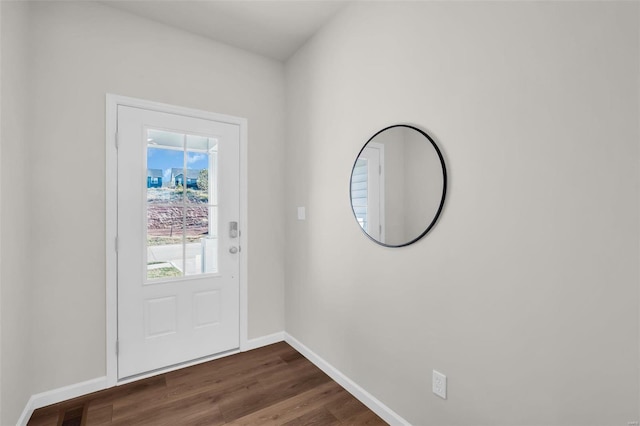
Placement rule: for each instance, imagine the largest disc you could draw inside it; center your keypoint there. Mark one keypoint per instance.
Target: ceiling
(275, 29)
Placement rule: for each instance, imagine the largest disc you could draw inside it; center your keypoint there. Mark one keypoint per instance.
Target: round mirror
(398, 185)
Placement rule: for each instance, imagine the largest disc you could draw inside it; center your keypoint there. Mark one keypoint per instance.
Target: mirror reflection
(398, 185)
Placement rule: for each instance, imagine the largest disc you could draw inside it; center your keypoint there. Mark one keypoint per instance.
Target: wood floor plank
(201, 409)
(225, 367)
(242, 401)
(348, 409)
(223, 389)
(365, 418)
(221, 376)
(298, 377)
(99, 416)
(273, 385)
(46, 419)
(294, 407)
(319, 417)
(133, 391)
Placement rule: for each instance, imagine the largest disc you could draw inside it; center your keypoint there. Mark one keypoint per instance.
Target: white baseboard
(54, 396)
(259, 342)
(386, 413)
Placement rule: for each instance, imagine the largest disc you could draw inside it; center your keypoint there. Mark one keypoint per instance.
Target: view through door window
(181, 182)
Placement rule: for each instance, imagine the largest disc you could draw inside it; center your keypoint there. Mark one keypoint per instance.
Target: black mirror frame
(444, 186)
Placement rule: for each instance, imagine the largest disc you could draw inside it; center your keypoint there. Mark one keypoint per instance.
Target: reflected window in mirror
(366, 189)
(398, 185)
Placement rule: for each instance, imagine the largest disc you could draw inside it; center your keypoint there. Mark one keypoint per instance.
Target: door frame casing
(111, 216)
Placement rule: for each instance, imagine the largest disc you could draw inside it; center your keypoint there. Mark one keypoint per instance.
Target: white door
(178, 253)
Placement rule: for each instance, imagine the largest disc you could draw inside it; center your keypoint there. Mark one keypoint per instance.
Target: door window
(181, 207)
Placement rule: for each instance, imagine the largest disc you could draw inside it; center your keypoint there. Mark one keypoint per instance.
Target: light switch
(301, 213)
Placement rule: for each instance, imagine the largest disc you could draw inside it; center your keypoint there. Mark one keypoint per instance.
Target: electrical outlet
(440, 384)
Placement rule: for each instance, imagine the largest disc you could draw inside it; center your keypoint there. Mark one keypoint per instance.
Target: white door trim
(111, 231)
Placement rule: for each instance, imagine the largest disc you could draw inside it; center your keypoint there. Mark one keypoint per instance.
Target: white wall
(78, 52)
(15, 173)
(525, 294)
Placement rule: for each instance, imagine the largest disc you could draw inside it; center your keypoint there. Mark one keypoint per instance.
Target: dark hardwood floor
(273, 385)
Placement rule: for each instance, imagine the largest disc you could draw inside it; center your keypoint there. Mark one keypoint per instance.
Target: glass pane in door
(201, 247)
(165, 236)
(181, 185)
(165, 167)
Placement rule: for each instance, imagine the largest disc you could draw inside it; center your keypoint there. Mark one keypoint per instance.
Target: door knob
(233, 249)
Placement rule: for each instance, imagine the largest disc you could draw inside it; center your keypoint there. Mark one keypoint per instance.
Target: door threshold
(174, 367)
